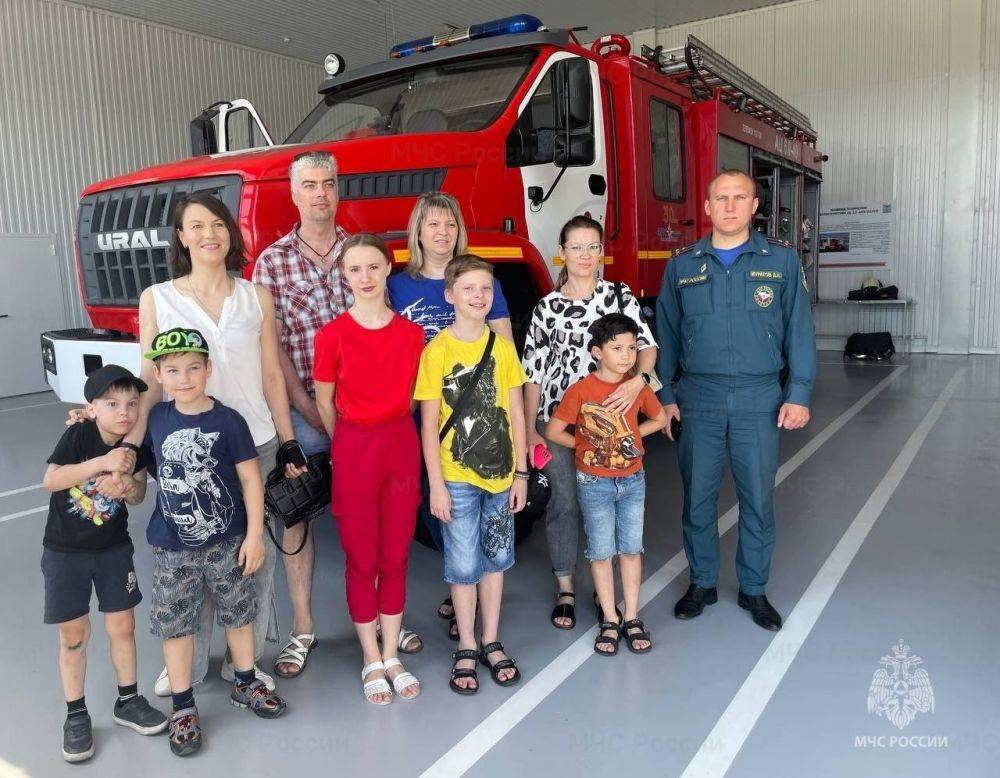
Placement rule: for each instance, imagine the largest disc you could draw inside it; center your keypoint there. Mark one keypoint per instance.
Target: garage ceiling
(363, 30)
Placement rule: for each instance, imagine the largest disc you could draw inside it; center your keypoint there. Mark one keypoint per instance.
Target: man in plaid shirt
(302, 273)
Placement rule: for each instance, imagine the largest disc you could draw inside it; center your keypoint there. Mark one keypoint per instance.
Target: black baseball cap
(99, 381)
(179, 340)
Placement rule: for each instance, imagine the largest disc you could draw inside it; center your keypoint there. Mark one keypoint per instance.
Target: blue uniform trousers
(750, 438)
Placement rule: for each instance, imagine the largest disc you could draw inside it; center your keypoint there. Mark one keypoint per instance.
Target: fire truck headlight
(333, 64)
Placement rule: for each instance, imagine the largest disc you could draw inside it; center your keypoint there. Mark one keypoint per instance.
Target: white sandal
(295, 652)
(402, 681)
(406, 638)
(376, 685)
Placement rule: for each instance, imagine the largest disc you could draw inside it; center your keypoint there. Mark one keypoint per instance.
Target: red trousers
(376, 491)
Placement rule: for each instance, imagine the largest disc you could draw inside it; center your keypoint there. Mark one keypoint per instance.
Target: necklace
(204, 307)
(319, 254)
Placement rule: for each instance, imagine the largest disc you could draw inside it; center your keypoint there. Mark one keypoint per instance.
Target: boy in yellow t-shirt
(478, 474)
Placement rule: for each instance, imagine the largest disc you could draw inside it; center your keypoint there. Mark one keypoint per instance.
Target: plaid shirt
(304, 299)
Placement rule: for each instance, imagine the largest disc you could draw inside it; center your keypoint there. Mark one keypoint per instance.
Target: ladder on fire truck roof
(707, 74)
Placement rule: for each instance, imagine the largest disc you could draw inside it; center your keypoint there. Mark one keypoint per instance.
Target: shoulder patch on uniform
(771, 275)
(778, 242)
(684, 249)
(698, 279)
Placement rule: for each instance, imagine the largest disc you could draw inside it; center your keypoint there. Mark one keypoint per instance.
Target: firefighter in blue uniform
(732, 307)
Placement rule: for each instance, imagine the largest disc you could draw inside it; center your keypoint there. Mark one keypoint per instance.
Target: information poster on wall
(855, 236)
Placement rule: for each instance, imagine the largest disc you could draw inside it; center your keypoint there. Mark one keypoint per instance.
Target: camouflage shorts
(182, 579)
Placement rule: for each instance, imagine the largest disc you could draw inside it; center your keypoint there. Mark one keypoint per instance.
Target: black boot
(763, 613)
(694, 601)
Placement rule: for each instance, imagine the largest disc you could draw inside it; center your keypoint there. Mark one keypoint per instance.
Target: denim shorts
(613, 511)
(480, 537)
(182, 579)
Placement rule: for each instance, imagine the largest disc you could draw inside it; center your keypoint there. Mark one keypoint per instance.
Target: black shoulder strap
(463, 398)
(620, 296)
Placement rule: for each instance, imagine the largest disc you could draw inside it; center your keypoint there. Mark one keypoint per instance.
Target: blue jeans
(480, 537)
(311, 439)
(613, 510)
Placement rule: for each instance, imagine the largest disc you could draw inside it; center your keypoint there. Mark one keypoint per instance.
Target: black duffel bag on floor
(870, 346)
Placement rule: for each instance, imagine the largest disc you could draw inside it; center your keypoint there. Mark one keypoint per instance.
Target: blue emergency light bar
(507, 26)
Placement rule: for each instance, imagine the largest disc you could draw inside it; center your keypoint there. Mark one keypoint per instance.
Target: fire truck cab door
(573, 175)
(666, 209)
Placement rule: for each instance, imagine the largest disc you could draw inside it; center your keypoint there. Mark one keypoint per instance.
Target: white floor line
(22, 490)
(716, 754)
(19, 514)
(471, 748)
(24, 407)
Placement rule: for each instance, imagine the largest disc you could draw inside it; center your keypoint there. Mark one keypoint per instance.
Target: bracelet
(130, 446)
(522, 474)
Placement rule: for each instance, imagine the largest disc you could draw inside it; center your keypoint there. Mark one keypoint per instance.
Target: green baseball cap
(178, 341)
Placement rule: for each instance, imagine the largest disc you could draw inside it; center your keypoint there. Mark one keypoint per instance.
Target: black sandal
(600, 610)
(463, 672)
(632, 637)
(453, 630)
(502, 664)
(564, 610)
(607, 640)
(446, 603)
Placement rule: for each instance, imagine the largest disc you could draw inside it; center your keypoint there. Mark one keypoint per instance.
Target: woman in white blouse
(555, 357)
(237, 319)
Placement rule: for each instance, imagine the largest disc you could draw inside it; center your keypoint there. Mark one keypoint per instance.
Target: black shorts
(71, 576)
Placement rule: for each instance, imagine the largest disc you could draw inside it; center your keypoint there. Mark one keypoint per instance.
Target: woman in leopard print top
(555, 357)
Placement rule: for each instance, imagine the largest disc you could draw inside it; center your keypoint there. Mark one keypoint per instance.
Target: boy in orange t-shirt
(610, 480)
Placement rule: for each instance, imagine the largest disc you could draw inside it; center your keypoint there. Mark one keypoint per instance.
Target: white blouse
(233, 345)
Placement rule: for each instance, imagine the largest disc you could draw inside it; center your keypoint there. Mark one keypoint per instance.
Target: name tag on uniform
(700, 279)
(769, 275)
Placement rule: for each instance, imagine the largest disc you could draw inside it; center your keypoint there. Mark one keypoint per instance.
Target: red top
(374, 370)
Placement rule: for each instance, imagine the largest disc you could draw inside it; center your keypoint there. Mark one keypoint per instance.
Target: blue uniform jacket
(734, 327)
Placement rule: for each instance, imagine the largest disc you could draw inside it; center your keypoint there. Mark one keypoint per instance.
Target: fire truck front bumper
(69, 356)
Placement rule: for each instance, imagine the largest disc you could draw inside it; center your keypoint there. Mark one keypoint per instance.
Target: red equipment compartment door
(664, 194)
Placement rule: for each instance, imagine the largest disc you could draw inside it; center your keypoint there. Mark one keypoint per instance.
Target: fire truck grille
(398, 183)
(123, 235)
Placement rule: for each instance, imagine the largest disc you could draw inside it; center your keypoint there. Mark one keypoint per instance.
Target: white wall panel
(873, 79)
(88, 94)
(986, 263)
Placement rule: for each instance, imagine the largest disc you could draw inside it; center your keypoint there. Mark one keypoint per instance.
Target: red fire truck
(524, 125)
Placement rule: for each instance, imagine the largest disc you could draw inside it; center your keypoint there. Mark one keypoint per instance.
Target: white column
(958, 235)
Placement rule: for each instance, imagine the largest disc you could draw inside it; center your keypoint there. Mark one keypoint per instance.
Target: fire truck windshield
(453, 96)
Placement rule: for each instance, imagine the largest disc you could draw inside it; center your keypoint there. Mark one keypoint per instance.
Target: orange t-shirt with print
(607, 443)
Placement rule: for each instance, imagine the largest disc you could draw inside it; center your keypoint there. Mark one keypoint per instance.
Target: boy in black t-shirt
(87, 547)
(206, 530)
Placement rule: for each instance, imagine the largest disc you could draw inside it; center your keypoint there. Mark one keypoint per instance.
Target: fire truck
(526, 126)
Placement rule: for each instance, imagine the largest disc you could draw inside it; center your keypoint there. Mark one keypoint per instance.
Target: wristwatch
(647, 378)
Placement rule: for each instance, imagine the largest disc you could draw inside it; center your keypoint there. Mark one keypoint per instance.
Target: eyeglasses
(579, 248)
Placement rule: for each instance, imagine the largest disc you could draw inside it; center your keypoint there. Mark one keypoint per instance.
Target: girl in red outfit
(365, 367)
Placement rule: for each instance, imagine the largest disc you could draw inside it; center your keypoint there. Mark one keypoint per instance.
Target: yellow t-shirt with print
(479, 448)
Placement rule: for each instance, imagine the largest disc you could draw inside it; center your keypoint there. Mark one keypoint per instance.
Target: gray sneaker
(257, 698)
(78, 739)
(136, 713)
(185, 731)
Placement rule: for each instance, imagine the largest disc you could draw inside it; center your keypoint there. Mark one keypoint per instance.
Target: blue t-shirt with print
(421, 300)
(200, 502)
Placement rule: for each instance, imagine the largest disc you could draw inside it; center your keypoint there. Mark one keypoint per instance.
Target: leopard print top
(555, 349)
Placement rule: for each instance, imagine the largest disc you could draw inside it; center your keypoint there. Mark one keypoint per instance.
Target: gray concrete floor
(926, 574)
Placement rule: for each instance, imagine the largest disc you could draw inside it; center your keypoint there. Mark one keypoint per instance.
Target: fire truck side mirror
(574, 142)
(204, 137)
